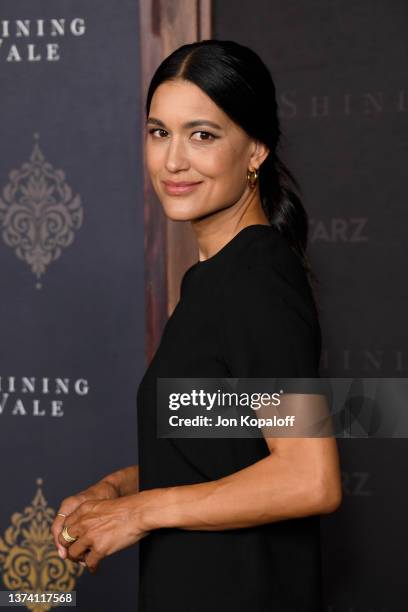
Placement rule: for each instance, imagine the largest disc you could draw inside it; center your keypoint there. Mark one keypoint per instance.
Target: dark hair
(238, 81)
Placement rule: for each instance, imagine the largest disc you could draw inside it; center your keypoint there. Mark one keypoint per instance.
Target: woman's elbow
(330, 497)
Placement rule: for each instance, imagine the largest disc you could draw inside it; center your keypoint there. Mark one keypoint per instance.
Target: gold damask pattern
(38, 212)
(28, 557)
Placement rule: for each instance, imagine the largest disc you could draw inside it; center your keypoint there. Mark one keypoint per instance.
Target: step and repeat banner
(71, 265)
(341, 75)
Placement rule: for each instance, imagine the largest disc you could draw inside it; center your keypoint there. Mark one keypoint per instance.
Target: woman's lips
(179, 188)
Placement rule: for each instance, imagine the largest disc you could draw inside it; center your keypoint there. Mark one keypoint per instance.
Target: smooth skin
(301, 476)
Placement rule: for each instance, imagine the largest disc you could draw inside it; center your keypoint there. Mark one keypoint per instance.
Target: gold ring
(67, 537)
(60, 514)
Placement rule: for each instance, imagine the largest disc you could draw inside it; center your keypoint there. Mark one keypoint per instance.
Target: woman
(223, 524)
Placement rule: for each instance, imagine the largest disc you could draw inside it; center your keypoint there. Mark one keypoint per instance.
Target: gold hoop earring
(252, 177)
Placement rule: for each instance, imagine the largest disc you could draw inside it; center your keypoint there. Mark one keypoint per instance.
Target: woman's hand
(99, 491)
(103, 528)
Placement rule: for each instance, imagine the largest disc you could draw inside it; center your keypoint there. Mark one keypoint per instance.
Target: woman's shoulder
(267, 247)
(267, 253)
(257, 261)
(268, 320)
(267, 268)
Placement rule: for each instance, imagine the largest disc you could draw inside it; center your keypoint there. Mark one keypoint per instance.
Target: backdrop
(340, 72)
(71, 258)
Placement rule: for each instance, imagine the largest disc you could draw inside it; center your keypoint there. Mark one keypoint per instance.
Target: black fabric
(248, 311)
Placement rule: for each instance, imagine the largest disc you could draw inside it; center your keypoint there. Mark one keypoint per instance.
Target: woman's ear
(259, 154)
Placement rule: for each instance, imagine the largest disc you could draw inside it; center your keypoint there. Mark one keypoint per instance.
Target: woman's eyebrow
(189, 124)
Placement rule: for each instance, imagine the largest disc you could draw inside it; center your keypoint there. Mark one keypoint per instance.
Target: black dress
(248, 311)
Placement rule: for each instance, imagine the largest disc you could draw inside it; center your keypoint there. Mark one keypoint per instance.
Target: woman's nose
(176, 156)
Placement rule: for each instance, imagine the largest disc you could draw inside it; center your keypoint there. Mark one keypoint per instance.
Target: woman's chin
(180, 213)
(180, 217)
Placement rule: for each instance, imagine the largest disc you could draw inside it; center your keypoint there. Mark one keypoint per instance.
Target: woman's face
(189, 139)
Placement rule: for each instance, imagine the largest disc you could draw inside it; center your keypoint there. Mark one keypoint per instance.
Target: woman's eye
(153, 130)
(207, 136)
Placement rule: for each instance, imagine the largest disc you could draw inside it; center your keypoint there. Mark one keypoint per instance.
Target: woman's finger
(78, 550)
(72, 531)
(56, 529)
(92, 560)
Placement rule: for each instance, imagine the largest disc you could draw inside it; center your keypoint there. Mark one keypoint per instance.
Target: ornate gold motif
(38, 213)
(28, 556)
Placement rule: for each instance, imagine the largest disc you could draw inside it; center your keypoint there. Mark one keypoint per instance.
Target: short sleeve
(269, 328)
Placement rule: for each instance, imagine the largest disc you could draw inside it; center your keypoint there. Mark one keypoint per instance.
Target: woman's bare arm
(300, 477)
(125, 480)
